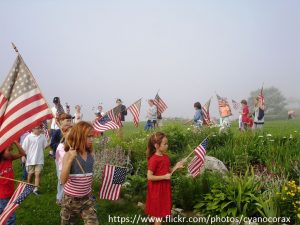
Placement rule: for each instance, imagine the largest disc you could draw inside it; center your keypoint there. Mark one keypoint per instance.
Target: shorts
(34, 168)
(71, 207)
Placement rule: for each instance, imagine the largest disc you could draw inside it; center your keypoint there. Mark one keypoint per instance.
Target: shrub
(233, 197)
(186, 191)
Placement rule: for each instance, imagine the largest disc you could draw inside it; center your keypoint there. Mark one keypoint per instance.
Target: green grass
(43, 209)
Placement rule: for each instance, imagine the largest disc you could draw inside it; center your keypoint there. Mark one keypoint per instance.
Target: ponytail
(155, 138)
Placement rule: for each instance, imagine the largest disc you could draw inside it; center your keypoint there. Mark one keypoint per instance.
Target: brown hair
(63, 116)
(244, 102)
(77, 137)
(197, 105)
(155, 138)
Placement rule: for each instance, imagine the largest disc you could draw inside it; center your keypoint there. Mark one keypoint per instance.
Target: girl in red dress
(159, 200)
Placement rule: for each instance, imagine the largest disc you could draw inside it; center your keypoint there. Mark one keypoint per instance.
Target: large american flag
(22, 191)
(205, 111)
(113, 178)
(104, 124)
(198, 160)
(135, 109)
(236, 105)
(115, 115)
(22, 105)
(160, 104)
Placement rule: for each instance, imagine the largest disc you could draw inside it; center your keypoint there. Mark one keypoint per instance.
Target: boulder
(214, 164)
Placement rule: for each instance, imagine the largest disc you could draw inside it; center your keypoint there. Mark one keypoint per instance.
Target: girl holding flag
(159, 201)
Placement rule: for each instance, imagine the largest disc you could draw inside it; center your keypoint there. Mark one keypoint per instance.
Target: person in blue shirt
(198, 117)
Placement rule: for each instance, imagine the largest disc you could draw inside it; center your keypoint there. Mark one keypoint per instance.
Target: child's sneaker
(36, 191)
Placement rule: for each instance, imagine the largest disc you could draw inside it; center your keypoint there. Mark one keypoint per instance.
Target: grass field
(43, 209)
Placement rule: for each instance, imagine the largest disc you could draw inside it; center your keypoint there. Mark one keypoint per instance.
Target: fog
(91, 52)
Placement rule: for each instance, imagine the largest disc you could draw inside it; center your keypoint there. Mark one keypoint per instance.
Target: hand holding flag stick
(200, 153)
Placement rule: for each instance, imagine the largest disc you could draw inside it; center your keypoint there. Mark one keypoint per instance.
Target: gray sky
(88, 52)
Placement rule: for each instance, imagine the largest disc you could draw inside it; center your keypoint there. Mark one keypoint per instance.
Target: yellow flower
(285, 188)
(298, 215)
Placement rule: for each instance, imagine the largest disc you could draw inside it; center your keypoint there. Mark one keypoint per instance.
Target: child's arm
(152, 177)
(179, 165)
(66, 165)
(20, 153)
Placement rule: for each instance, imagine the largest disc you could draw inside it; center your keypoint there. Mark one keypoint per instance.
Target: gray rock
(214, 164)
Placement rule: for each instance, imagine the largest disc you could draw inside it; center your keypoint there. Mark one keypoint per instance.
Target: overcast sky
(89, 52)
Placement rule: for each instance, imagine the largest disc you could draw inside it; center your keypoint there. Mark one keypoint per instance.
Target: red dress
(159, 200)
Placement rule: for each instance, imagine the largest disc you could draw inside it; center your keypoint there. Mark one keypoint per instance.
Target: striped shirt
(79, 184)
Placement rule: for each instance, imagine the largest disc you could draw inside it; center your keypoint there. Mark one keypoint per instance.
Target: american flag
(104, 124)
(198, 161)
(205, 111)
(22, 191)
(236, 105)
(160, 104)
(45, 129)
(135, 111)
(115, 115)
(22, 105)
(224, 108)
(113, 178)
(261, 96)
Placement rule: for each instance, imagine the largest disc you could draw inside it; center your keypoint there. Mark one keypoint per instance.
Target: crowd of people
(71, 141)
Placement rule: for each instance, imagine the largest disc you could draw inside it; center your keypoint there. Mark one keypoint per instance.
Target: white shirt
(53, 123)
(78, 117)
(152, 113)
(34, 146)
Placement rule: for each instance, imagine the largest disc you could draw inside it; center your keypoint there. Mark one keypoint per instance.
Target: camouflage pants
(71, 207)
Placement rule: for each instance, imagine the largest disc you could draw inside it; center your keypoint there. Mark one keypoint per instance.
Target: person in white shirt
(34, 145)
(151, 115)
(78, 114)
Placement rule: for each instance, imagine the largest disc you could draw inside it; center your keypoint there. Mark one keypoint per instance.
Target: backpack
(261, 114)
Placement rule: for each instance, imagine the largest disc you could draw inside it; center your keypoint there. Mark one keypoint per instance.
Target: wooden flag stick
(19, 181)
(15, 47)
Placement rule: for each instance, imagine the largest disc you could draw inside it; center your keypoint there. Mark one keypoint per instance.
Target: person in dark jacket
(123, 109)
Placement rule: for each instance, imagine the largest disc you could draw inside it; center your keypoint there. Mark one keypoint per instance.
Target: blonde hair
(76, 139)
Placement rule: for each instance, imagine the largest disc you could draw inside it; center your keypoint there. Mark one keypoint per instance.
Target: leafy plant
(233, 196)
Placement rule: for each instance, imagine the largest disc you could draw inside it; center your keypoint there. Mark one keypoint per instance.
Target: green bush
(233, 196)
(186, 191)
(136, 188)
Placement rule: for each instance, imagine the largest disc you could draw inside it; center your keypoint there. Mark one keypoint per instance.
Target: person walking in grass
(77, 176)
(34, 145)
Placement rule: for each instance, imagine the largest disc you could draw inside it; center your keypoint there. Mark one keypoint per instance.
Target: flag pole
(19, 181)
(15, 47)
